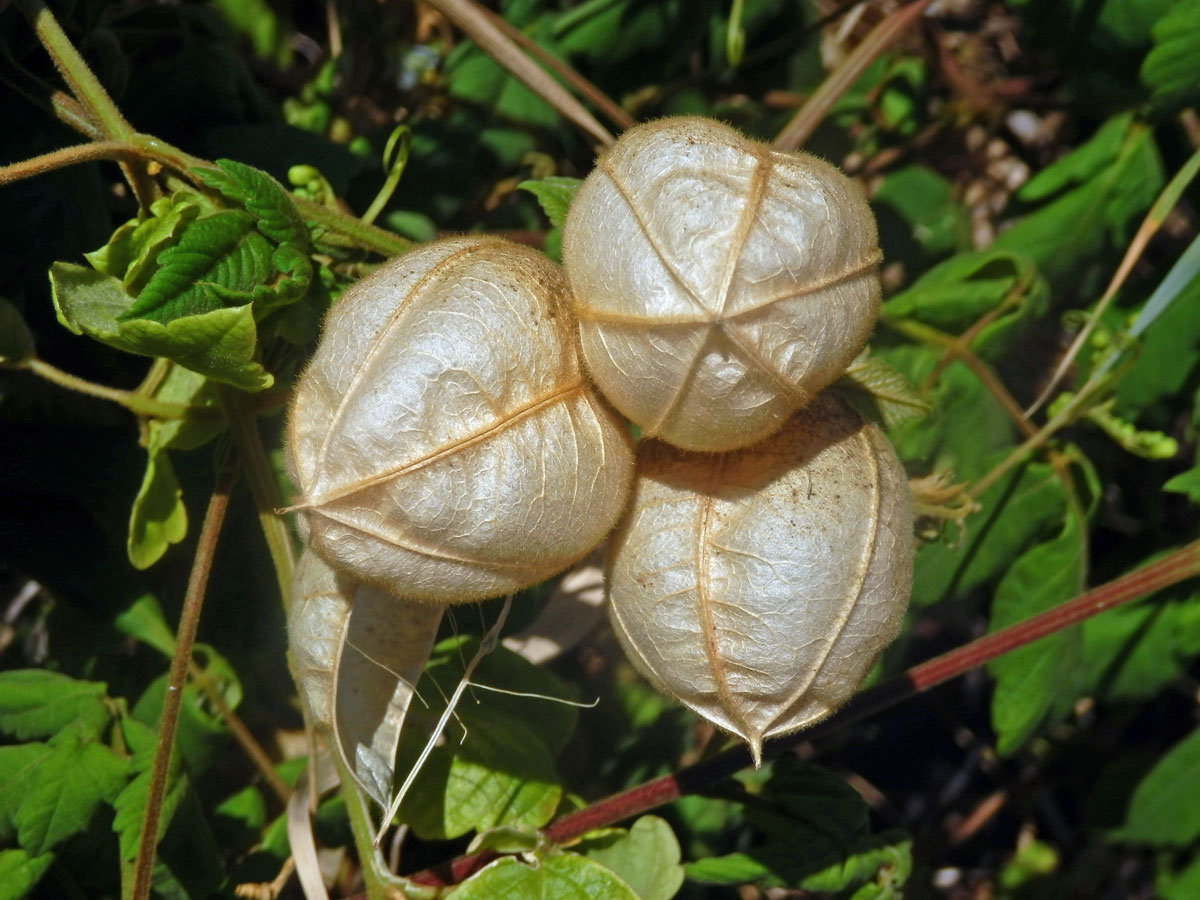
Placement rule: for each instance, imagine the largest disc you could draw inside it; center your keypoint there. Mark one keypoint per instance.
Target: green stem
(243, 424)
(75, 71)
(367, 236)
(189, 620)
(131, 400)
(1065, 416)
(360, 827)
(57, 103)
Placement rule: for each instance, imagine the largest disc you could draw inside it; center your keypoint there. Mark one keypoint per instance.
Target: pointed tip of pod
(755, 744)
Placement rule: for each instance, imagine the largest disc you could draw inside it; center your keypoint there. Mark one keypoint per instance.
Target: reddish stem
(1183, 563)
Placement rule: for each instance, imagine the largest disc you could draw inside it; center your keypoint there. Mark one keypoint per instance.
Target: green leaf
(931, 217)
(1132, 652)
(510, 672)
(609, 31)
(563, 876)
(130, 803)
(1036, 684)
(474, 77)
(646, 857)
(955, 295)
(1165, 807)
(1187, 483)
(554, 194)
(1015, 513)
(816, 838)
(892, 394)
(1169, 69)
(39, 703)
(262, 196)
(1117, 175)
(1169, 354)
(158, 518)
(503, 771)
(18, 763)
(501, 774)
(221, 251)
(189, 388)
(16, 340)
(203, 735)
(507, 839)
(144, 620)
(65, 790)
(1181, 885)
(131, 254)
(220, 345)
(1081, 164)
(20, 872)
(967, 425)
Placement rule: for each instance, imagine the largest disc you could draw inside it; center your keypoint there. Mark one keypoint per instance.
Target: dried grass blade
(809, 116)
(477, 25)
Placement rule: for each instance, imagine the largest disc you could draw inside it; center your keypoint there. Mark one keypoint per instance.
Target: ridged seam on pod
(719, 284)
(356, 655)
(444, 440)
(758, 586)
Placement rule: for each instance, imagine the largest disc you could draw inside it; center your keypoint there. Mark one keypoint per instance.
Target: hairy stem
(368, 236)
(58, 104)
(67, 156)
(193, 600)
(133, 401)
(75, 71)
(1182, 564)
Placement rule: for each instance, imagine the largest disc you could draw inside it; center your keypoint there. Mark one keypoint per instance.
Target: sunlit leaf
(220, 344)
(218, 251)
(67, 787)
(262, 196)
(158, 518)
(38, 703)
(20, 872)
(564, 876)
(646, 857)
(554, 194)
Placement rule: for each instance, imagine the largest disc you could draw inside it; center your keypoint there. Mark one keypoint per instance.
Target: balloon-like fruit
(445, 442)
(758, 586)
(719, 284)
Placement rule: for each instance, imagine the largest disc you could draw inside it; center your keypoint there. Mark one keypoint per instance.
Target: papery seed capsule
(719, 284)
(758, 586)
(357, 654)
(444, 440)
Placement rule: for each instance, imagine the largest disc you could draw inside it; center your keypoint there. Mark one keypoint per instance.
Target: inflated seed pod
(356, 655)
(444, 440)
(719, 284)
(758, 586)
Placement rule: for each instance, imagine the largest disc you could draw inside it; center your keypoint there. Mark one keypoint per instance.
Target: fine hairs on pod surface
(444, 441)
(758, 586)
(719, 284)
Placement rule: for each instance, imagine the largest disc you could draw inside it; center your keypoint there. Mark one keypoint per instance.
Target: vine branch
(1182, 564)
(206, 546)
